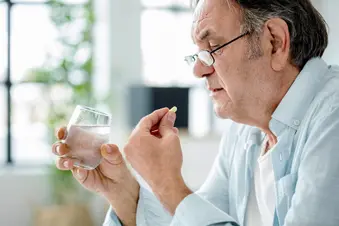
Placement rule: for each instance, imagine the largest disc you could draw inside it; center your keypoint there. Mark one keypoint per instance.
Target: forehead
(213, 16)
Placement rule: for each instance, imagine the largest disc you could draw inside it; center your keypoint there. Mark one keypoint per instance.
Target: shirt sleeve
(209, 205)
(194, 210)
(149, 212)
(111, 219)
(215, 188)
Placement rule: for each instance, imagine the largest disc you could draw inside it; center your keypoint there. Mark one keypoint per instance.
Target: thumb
(111, 153)
(167, 123)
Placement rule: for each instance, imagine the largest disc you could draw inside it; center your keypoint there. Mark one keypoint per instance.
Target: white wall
(329, 9)
(23, 191)
(19, 193)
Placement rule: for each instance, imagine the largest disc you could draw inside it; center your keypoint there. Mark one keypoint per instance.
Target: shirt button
(247, 145)
(296, 122)
(280, 157)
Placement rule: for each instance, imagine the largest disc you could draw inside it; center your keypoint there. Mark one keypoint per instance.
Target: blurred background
(120, 56)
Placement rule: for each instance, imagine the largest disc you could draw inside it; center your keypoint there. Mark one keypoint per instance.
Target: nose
(200, 70)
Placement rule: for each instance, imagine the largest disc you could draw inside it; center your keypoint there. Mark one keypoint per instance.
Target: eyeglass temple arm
(233, 40)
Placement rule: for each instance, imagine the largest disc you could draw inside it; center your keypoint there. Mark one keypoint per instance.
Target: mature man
(277, 163)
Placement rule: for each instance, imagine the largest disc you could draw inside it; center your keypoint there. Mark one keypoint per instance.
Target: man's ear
(279, 41)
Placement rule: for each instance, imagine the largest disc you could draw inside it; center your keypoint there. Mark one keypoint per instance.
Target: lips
(216, 90)
(213, 90)
(213, 87)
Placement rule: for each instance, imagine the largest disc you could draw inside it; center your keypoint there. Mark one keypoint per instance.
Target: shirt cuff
(151, 210)
(194, 210)
(111, 219)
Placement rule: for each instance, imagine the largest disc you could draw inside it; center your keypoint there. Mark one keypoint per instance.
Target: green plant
(69, 75)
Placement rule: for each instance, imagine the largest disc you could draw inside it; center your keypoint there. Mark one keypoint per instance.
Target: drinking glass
(87, 130)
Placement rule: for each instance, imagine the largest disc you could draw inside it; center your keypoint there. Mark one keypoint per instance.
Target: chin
(227, 111)
(221, 110)
(222, 105)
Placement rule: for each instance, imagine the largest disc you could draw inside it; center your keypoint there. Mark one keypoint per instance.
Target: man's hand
(111, 178)
(154, 151)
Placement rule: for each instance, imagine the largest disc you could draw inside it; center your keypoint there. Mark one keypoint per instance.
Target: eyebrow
(203, 35)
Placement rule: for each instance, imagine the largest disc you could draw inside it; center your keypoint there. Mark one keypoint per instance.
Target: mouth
(216, 90)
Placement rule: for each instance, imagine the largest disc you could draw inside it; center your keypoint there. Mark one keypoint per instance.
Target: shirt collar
(297, 100)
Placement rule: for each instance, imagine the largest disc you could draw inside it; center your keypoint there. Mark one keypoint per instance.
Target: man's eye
(213, 45)
(219, 51)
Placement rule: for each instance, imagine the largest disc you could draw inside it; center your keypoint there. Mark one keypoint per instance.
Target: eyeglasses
(206, 56)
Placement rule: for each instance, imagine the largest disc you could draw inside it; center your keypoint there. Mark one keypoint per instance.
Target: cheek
(230, 80)
(227, 67)
(223, 72)
(233, 69)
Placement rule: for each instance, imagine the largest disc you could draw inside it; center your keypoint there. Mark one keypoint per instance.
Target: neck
(272, 139)
(272, 99)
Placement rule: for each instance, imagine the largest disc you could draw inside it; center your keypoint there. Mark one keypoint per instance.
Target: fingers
(167, 123)
(113, 164)
(156, 133)
(61, 133)
(149, 121)
(69, 164)
(155, 127)
(111, 153)
(65, 163)
(60, 149)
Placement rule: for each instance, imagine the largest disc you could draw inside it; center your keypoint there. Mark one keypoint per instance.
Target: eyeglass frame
(195, 56)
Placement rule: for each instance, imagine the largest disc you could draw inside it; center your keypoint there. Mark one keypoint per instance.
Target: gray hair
(307, 28)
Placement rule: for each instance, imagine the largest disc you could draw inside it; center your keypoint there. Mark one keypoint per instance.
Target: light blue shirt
(305, 164)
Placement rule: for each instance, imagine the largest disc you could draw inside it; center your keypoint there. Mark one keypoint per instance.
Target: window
(33, 40)
(44, 1)
(3, 66)
(29, 132)
(3, 125)
(29, 1)
(29, 21)
(166, 3)
(165, 40)
(3, 41)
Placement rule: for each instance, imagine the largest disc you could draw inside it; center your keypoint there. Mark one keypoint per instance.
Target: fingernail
(65, 135)
(171, 116)
(66, 164)
(108, 149)
(173, 109)
(62, 134)
(57, 149)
